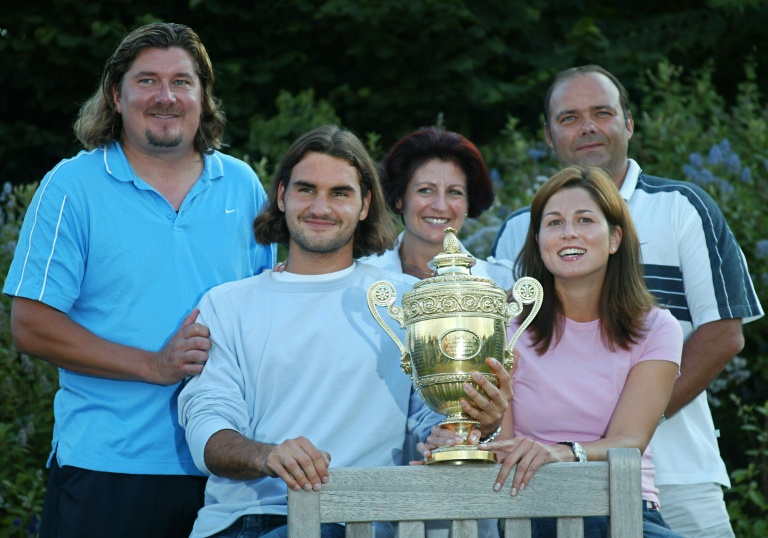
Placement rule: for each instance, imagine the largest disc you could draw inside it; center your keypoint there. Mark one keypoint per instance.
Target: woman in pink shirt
(597, 365)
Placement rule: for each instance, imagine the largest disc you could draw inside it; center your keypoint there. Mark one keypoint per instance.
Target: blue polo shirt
(104, 247)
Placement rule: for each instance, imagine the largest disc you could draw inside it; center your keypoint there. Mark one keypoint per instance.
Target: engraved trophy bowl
(454, 321)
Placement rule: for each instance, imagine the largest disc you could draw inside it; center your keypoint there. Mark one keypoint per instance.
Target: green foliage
(518, 162)
(747, 501)
(296, 115)
(50, 62)
(384, 67)
(26, 398)
(688, 129)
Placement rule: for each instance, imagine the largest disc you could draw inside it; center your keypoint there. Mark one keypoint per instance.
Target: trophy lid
(452, 260)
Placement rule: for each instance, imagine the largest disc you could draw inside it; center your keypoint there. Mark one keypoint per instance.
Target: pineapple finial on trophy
(452, 260)
(451, 243)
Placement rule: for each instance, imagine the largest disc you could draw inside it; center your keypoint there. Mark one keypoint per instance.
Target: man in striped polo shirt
(692, 263)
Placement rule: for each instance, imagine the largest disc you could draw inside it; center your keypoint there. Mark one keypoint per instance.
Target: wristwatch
(578, 451)
(491, 437)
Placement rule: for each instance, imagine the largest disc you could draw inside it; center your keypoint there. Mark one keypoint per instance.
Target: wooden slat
(411, 529)
(464, 528)
(303, 514)
(625, 489)
(517, 528)
(359, 530)
(570, 527)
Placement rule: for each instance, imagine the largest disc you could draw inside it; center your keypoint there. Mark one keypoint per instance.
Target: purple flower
(692, 173)
(698, 161)
(733, 163)
(706, 177)
(536, 154)
(34, 524)
(761, 247)
(715, 155)
(726, 189)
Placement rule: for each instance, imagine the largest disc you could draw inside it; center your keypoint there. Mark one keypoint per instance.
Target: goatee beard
(159, 142)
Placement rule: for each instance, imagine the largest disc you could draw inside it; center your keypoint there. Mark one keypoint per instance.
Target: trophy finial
(452, 259)
(451, 243)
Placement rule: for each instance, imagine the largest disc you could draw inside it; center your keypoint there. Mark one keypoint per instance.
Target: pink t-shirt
(571, 392)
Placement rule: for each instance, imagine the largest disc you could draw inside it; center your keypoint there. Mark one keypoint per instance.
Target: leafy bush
(747, 501)
(26, 398)
(688, 130)
(384, 66)
(271, 138)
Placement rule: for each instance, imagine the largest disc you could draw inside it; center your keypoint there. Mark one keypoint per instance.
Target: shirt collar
(285, 276)
(630, 180)
(117, 165)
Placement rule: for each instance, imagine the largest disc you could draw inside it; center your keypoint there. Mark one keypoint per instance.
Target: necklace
(416, 269)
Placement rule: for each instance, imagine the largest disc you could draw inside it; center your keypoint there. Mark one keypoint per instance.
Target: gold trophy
(454, 321)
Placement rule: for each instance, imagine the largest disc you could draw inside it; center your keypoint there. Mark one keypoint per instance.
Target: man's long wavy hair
(624, 298)
(375, 234)
(98, 122)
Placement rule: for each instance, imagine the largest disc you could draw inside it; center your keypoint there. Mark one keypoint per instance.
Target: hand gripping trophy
(454, 321)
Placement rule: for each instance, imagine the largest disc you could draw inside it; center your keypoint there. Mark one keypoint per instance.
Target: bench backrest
(464, 494)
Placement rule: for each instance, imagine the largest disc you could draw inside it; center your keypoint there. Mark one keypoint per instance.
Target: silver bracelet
(491, 437)
(578, 451)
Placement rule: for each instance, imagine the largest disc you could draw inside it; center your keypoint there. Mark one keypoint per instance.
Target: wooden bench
(464, 494)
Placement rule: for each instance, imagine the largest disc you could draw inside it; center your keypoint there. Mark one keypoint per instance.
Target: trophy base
(459, 455)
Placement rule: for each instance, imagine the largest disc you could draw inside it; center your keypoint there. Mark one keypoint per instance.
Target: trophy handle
(382, 293)
(526, 291)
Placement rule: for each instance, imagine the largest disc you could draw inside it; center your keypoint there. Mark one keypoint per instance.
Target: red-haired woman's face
(435, 198)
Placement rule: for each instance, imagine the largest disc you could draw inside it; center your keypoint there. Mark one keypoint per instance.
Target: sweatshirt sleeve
(420, 419)
(214, 400)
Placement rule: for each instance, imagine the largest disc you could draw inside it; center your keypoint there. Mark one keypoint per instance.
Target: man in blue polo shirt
(119, 244)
